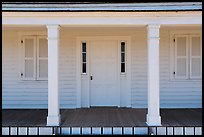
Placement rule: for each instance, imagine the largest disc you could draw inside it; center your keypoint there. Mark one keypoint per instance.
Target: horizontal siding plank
(33, 94)
(17, 93)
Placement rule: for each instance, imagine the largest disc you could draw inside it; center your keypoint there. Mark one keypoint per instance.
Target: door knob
(91, 77)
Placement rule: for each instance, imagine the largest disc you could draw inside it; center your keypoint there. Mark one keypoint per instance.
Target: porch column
(153, 116)
(53, 118)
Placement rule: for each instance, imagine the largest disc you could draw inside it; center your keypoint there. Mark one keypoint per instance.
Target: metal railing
(62, 130)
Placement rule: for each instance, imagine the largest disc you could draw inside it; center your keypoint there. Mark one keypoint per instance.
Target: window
(122, 57)
(187, 57)
(35, 58)
(84, 57)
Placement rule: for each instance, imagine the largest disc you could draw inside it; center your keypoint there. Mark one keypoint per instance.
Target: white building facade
(72, 58)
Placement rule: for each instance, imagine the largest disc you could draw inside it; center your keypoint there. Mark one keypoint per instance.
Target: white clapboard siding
(173, 94)
(176, 93)
(33, 94)
(139, 70)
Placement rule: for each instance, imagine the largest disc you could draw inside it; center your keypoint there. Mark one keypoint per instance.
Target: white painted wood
(178, 67)
(188, 34)
(27, 57)
(34, 94)
(153, 115)
(22, 130)
(117, 131)
(103, 63)
(41, 57)
(45, 131)
(172, 53)
(114, 18)
(195, 56)
(140, 130)
(128, 130)
(107, 131)
(5, 130)
(86, 130)
(53, 118)
(85, 77)
(125, 92)
(23, 37)
(128, 86)
(78, 74)
(125, 78)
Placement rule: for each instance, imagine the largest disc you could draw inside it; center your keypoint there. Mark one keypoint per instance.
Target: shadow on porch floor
(101, 117)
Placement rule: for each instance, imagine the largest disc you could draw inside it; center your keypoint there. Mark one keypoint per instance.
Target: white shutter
(42, 58)
(195, 56)
(28, 64)
(181, 56)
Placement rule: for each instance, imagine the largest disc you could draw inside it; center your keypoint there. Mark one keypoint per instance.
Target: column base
(153, 120)
(53, 120)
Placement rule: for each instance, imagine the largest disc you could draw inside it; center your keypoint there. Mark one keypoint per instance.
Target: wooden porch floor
(101, 117)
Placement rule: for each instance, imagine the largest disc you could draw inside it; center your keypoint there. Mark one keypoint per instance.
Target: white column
(153, 115)
(53, 118)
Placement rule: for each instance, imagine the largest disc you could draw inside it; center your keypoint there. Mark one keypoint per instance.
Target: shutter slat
(42, 58)
(29, 58)
(181, 54)
(195, 56)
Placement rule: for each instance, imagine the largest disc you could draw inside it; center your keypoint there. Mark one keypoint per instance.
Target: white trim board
(114, 18)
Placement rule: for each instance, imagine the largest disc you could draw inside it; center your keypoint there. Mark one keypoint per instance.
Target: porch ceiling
(25, 27)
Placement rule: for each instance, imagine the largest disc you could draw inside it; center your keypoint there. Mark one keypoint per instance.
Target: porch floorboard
(103, 116)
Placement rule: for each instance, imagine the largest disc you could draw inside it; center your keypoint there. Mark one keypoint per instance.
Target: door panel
(104, 73)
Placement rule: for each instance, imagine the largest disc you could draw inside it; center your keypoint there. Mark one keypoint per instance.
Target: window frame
(172, 54)
(22, 37)
(120, 59)
(81, 57)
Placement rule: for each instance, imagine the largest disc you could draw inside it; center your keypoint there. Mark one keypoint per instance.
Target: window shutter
(42, 58)
(195, 56)
(181, 56)
(28, 58)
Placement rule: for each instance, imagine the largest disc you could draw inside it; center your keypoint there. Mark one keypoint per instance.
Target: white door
(103, 69)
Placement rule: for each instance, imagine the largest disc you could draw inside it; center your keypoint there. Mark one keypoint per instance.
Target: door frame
(80, 76)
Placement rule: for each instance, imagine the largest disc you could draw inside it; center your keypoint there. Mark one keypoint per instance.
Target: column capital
(153, 26)
(153, 31)
(53, 31)
(53, 26)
